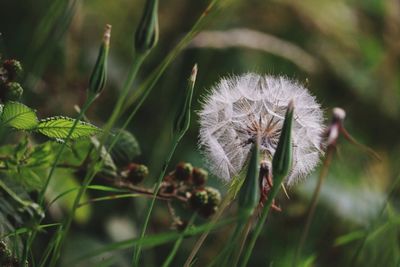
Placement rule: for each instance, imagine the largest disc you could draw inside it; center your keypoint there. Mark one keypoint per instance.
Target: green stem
(257, 231)
(137, 250)
(314, 202)
(93, 170)
(32, 236)
(362, 243)
(225, 203)
(178, 242)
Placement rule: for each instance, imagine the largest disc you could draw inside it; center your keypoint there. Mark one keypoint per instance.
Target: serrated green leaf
(18, 116)
(58, 127)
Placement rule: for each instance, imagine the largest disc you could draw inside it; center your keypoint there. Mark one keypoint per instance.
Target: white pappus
(239, 107)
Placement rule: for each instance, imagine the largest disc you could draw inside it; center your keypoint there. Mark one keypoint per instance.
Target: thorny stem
(314, 202)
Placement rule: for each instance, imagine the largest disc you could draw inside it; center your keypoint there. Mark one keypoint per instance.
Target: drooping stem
(314, 202)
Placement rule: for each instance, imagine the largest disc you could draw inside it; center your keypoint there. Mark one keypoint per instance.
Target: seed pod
(13, 92)
(282, 160)
(98, 77)
(13, 68)
(136, 173)
(183, 171)
(146, 35)
(182, 120)
(199, 176)
(249, 193)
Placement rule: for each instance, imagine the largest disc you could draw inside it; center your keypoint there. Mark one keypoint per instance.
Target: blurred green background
(346, 52)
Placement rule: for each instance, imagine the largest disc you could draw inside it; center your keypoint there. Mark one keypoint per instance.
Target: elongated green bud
(99, 75)
(249, 194)
(282, 160)
(182, 120)
(146, 36)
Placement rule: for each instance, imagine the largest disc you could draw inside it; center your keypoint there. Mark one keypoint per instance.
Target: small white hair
(239, 107)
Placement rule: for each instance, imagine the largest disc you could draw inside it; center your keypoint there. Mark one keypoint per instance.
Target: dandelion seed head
(239, 107)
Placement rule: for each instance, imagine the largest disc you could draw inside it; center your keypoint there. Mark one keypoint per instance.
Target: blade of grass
(152, 240)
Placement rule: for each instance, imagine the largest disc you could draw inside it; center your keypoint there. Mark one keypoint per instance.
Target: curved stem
(313, 203)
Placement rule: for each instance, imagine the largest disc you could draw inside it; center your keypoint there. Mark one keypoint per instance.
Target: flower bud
(98, 77)
(183, 171)
(282, 160)
(182, 120)
(199, 176)
(13, 68)
(136, 173)
(146, 35)
(13, 92)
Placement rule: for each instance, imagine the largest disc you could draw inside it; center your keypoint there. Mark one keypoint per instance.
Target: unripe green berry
(198, 199)
(136, 173)
(13, 92)
(183, 171)
(199, 176)
(13, 67)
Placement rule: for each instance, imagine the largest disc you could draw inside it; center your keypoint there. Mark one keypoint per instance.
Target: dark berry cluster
(10, 89)
(6, 257)
(189, 182)
(135, 173)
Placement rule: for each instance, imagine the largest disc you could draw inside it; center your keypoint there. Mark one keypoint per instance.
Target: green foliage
(126, 149)
(58, 127)
(18, 116)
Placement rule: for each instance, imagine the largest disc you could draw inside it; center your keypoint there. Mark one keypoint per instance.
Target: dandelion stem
(314, 202)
